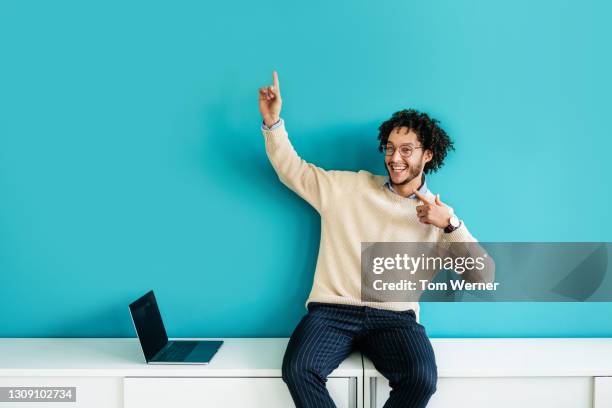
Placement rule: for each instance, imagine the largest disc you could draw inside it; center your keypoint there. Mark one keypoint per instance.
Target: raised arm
(310, 182)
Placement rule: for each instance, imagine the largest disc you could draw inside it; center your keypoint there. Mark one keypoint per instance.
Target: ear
(427, 156)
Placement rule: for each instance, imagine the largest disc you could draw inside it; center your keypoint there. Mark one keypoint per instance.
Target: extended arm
(310, 182)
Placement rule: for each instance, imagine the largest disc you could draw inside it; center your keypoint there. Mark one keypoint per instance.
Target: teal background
(131, 156)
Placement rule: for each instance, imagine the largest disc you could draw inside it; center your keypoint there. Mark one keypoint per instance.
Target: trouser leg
(400, 350)
(319, 343)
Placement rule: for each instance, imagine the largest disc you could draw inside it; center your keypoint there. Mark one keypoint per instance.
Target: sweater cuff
(275, 136)
(274, 126)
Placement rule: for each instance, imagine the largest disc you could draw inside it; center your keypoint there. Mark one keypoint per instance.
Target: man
(360, 207)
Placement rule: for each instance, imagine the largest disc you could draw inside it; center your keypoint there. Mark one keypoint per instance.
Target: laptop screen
(149, 325)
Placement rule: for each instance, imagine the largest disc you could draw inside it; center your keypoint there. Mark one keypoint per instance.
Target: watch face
(454, 221)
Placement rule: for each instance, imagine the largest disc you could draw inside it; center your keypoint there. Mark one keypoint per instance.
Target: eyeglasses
(405, 150)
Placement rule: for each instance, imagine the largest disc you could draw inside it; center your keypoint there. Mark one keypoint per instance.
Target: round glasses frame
(405, 150)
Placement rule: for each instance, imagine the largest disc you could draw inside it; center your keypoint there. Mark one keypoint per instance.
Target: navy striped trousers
(396, 344)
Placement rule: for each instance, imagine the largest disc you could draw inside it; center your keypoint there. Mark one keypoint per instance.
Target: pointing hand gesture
(436, 213)
(270, 101)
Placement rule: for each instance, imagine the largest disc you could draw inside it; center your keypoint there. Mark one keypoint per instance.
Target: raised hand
(436, 213)
(270, 101)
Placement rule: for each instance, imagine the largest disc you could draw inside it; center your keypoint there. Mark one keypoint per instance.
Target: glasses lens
(406, 151)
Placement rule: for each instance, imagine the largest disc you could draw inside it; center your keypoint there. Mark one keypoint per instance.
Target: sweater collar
(422, 189)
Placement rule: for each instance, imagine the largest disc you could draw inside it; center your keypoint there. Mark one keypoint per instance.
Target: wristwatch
(453, 224)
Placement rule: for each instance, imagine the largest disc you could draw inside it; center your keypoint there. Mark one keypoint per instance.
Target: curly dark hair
(429, 134)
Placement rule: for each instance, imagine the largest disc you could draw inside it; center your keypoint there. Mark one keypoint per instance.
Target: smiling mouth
(397, 169)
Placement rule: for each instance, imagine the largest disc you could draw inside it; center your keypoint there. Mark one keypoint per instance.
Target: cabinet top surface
(124, 357)
(263, 357)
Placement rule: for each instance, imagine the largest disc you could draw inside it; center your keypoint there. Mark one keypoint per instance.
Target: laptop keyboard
(177, 351)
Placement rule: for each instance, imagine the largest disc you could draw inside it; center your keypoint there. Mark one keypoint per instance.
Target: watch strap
(449, 228)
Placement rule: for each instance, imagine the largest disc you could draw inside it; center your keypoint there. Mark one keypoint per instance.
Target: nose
(396, 156)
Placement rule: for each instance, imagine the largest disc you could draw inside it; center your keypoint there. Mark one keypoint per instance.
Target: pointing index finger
(276, 82)
(421, 197)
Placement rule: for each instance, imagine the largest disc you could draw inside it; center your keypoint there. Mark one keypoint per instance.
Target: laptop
(154, 341)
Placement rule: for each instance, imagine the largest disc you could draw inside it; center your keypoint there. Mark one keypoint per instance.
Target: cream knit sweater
(355, 207)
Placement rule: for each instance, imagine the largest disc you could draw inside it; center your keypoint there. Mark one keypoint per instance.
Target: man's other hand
(270, 101)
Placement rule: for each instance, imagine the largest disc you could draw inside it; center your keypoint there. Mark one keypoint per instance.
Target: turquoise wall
(131, 157)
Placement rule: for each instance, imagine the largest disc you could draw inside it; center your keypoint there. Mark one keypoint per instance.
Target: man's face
(403, 169)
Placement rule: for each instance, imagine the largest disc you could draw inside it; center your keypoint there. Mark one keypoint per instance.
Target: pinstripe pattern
(396, 344)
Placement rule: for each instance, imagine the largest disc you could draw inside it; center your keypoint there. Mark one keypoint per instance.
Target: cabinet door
(253, 392)
(501, 392)
(603, 392)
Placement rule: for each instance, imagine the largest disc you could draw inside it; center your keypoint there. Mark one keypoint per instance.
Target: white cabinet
(225, 392)
(474, 373)
(513, 372)
(91, 392)
(603, 392)
(502, 392)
